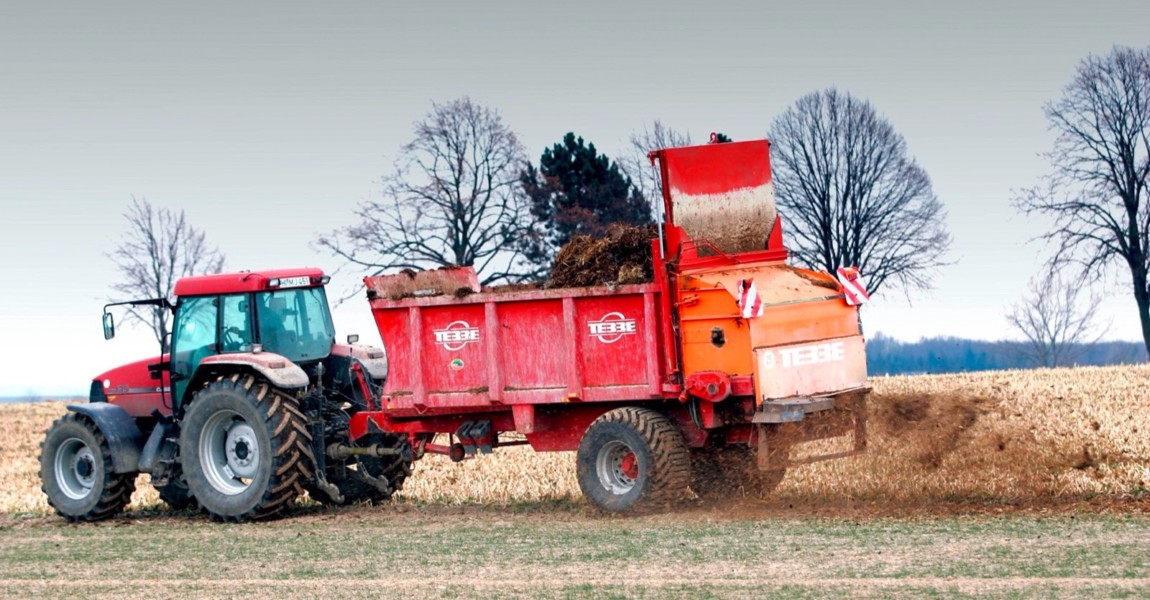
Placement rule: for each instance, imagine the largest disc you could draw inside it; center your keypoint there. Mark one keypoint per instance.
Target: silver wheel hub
(243, 452)
(616, 468)
(75, 467)
(229, 452)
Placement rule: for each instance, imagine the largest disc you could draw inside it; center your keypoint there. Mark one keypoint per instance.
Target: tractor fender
(124, 437)
(373, 359)
(278, 370)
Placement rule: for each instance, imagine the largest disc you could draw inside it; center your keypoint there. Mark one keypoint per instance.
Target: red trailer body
(499, 355)
(531, 347)
(547, 363)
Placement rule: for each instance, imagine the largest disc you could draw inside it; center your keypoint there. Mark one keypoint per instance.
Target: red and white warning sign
(749, 301)
(853, 289)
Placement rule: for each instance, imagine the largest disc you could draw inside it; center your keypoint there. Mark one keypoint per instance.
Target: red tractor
(249, 409)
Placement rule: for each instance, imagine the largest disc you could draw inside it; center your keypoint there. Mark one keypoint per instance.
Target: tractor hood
(134, 387)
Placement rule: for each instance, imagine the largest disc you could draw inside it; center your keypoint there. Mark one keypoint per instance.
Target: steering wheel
(233, 338)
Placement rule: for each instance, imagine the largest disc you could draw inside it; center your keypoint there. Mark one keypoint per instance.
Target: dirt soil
(622, 257)
(439, 552)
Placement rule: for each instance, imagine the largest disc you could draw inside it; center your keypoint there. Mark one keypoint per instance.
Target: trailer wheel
(731, 471)
(245, 449)
(632, 459)
(76, 472)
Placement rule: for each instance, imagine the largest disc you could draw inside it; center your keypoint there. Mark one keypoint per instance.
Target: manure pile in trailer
(623, 256)
(995, 441)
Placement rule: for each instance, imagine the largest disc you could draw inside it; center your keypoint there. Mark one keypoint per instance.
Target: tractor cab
(282, 312)
(279, 312)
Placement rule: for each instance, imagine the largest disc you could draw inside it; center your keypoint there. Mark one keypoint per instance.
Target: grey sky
(268, 121)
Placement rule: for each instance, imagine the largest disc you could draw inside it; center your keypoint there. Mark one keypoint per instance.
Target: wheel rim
(75, 469)
(617, 467)
(229, 452)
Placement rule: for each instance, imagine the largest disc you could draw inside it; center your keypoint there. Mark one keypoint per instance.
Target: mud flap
(124, 437)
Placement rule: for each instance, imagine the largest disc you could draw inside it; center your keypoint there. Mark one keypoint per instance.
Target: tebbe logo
(802, 356)
(611, 327)
(456, 335)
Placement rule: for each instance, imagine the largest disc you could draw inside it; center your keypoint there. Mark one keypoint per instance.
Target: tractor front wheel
(632, 459)
(76, 472)
(245, 449)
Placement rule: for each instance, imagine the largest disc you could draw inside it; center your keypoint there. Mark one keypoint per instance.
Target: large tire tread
(290, 445)
(670, 470)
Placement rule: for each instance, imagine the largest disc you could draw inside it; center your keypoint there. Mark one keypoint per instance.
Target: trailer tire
(731, 472)
(76, 472)
(245, 449)
(632, 459)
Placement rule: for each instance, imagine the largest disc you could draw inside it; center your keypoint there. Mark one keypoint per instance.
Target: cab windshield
(295, 323)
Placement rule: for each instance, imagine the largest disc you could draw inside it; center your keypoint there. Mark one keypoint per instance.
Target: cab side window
(193, 337)
(236, 328)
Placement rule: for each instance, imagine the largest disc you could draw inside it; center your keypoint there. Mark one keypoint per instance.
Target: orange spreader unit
(741, 310)
(783, 347)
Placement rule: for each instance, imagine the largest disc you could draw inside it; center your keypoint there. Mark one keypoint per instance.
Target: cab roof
(246, 281)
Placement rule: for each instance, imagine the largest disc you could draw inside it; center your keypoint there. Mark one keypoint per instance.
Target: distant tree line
(888, 356)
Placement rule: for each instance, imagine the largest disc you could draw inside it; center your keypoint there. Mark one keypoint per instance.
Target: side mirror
(353, 338)
(109, 326)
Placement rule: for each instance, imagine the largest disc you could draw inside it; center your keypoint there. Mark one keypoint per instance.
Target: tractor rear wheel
(76, 472)
(245, 449)
(632, 459)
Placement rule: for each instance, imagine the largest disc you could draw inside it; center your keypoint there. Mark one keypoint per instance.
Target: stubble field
(1017, 483)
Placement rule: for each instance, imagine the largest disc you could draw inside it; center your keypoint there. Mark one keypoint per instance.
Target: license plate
(293, 282)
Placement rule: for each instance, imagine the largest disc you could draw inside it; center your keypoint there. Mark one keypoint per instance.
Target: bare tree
(1056, 320)
(638, 166)
(160, 247)
(1097, 190)
(453, 199)
(850, 196)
